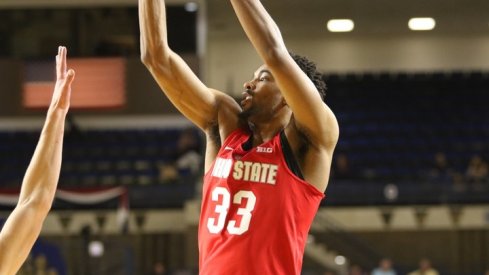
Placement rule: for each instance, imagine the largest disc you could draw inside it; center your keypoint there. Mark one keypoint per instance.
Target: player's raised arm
(39, 185)
(310, 113)
(203, 106)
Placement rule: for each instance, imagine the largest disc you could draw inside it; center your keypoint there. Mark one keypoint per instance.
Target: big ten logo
(264, 149)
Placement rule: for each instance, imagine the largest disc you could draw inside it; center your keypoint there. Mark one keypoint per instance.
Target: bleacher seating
(94, 157)
(110, 157)
(104, 158)
(392, 125)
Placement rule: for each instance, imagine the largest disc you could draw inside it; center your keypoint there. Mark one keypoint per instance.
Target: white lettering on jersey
(246, 171)
(222, 168)
(260, 149)
(255, 172)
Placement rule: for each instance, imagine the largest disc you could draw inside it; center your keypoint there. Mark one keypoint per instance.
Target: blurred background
(410, 177)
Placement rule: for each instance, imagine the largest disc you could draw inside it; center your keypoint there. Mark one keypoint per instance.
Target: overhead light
(96, 249)
(421, 23)
(191, 7)
(340, 25)
(340, 260)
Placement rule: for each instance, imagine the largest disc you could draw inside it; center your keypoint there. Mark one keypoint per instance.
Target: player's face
(261, 95)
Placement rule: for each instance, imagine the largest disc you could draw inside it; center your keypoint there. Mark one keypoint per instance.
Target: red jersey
(256, 213)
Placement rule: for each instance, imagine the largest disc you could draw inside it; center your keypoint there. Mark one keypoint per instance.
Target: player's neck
(265, 131)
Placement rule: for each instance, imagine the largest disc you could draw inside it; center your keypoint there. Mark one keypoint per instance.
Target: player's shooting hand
(64, 78)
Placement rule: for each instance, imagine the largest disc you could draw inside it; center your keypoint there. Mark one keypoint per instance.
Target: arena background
(128, 201)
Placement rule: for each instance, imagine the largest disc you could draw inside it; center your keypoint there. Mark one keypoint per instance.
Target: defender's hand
(64, 78)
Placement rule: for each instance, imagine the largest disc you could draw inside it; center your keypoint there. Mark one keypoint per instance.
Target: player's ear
(284, 103)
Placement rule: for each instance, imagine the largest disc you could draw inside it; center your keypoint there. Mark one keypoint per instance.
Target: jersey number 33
(222, 197)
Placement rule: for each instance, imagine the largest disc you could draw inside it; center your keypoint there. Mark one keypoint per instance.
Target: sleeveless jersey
(255, 213)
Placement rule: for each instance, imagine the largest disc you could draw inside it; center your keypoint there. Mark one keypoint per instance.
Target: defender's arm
(39, 185)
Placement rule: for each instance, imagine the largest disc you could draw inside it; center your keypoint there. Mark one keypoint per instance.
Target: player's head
(262, 99)
(309, 68)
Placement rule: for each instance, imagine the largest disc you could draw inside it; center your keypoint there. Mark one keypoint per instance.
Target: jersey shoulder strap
(289, 157)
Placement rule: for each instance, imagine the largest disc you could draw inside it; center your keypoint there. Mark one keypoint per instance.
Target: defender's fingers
(63, 59)
(58, 63)
(70, 75)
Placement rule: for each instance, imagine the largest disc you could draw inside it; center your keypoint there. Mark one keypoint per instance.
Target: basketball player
(39, 186)
(267, 159)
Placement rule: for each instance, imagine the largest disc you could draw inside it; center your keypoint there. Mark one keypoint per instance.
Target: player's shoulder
(228, 110)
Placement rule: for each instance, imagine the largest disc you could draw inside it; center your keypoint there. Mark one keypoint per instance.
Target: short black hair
(310, 69)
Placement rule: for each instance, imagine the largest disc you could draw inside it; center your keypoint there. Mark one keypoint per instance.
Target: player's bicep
(17, 238)
(185, 90)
